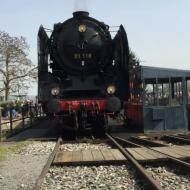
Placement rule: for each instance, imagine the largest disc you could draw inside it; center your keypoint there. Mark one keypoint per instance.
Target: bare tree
(16, 69)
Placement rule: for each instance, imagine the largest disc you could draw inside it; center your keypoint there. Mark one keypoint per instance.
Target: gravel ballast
(21, 169)
(83, 146)
(170, 179)
(111, 178)
(91, 178)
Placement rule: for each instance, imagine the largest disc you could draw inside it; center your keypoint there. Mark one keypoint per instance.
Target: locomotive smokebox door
(82, 45)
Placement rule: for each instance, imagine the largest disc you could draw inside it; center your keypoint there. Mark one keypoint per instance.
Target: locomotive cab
(83, 72)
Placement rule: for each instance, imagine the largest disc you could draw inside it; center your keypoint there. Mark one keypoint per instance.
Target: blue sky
(158, 30)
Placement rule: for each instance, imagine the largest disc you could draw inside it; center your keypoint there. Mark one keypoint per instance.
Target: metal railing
(28, 114)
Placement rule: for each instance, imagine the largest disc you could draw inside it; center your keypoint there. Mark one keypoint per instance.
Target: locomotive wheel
(75, 120)
(101, 125)
(105, 127)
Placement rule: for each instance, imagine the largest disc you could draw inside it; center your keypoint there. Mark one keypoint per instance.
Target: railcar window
(150, 99)
(188, 91)
(163, 92)
(177, 93)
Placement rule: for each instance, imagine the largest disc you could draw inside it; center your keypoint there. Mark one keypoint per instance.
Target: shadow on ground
(44, 129)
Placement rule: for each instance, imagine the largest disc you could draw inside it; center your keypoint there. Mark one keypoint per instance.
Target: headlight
(82, 28)
(55, 91)
(111, 89)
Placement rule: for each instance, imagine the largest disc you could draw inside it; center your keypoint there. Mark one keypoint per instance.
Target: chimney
(80, 14)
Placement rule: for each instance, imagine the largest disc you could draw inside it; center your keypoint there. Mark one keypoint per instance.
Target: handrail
(29, 114)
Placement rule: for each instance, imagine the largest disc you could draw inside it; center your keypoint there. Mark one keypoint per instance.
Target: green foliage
(5, 150)
(134, 61)
(8, 104)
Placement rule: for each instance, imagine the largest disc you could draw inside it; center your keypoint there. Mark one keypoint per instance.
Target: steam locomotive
(83, 75)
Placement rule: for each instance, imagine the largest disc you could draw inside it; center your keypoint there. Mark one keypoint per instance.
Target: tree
(134, 61)
(16, 69)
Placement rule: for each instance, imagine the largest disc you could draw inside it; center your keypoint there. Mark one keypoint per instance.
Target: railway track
(97, 157)
(175, 158)
(40, 179)
(160, 151)
(148, 178)
(146, 146)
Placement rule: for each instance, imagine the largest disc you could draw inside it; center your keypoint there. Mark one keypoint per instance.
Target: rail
(183, 164)
(45, 170)
(31, 113)
(153, 184)
(149, 179)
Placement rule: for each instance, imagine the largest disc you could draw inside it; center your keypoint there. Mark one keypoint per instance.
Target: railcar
(83, 75)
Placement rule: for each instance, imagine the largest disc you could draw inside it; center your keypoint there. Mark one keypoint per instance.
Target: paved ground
(47, 129)
(21, 167)
(44, 129)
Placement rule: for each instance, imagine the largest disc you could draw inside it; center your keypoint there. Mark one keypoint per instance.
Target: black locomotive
(83, 72)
